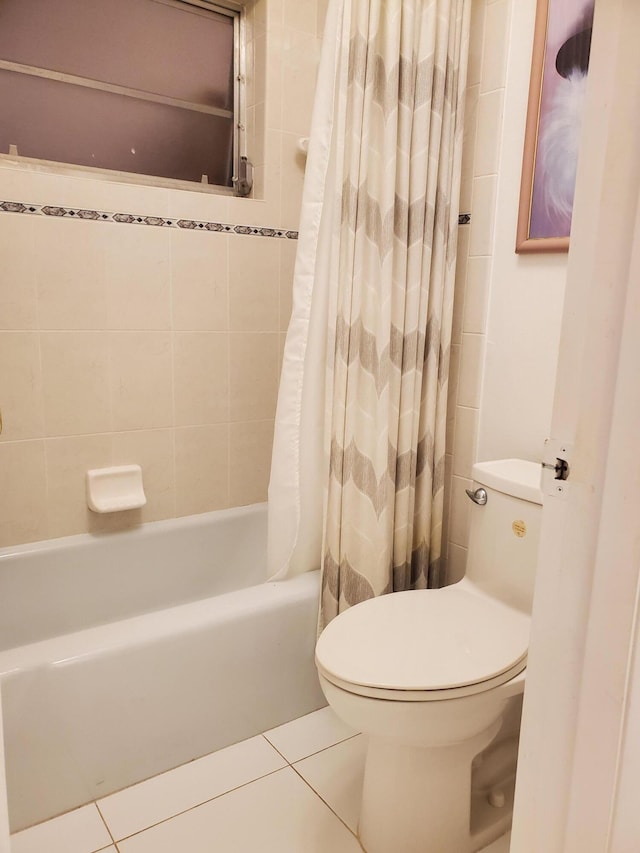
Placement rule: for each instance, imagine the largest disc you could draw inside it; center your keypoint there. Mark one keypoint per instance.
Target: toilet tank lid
(518, 478)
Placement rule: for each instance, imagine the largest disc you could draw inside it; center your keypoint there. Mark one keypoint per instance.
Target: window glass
(143, 86)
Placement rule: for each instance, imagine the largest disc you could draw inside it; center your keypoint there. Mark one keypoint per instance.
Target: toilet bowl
(427, 676)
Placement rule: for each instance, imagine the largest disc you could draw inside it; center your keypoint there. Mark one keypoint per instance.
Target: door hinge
(561, 468)
(556, 467)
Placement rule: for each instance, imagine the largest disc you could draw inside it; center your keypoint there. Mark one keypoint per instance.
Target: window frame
(229, 8)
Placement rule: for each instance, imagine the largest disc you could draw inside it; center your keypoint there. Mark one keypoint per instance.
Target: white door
(579, 769)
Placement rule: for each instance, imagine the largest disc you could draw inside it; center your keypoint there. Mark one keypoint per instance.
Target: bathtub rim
(135, 531)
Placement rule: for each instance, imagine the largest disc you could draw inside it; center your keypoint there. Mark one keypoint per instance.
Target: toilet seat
(425, 645)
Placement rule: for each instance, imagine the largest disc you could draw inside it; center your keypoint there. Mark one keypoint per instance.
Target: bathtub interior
(90, 710)
(64, 585)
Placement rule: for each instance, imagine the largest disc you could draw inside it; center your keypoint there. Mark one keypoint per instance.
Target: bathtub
(123, 655)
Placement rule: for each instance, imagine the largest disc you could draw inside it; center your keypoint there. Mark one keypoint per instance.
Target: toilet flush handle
(478, 497)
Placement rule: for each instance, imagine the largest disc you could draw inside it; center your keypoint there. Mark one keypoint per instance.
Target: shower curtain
(357, 474)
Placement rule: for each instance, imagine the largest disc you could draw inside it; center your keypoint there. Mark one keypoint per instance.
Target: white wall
(508, 307)
(527, 291)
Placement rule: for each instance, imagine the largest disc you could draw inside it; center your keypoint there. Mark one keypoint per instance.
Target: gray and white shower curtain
(357, 476)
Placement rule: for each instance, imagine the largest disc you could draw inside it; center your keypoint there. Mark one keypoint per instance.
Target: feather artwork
(558, 144)
(555, 127)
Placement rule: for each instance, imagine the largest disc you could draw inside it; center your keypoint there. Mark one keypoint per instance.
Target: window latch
(244, 181)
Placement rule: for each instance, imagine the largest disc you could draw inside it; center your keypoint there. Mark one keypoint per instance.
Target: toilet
(435, 679)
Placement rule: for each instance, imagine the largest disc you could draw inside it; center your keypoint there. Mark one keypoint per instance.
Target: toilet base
(418, 799)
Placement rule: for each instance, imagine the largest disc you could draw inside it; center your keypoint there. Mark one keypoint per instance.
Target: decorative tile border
(134, 219)
(157, 221)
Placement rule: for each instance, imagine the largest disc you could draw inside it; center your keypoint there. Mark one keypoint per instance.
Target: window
(149, 87)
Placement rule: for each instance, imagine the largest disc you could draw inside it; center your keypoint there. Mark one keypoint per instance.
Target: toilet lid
(434, 639)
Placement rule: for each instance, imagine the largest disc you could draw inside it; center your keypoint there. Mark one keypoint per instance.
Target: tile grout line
(95, 802)
(236, 788)
(322, 800)
(311, 754)
(196, 806)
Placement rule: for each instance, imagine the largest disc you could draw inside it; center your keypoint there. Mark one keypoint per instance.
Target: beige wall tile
(482, 215)
(141, 380)
(259, 9)
(70, 274)
(464, 445)
(81, 190)
(18, 302)
(300, 64)
(202, 469)
(21, 401)
(456, 563)
(18, 184)
(199, 272)
(122, 299)
(468, 147)
(321, 16)
(254, 280)
(250, 446)
(495, 46)
(275, 13)
(75, 371)
(281, 344)
(68, 460)
(138, 277)
(476, 37)
(259, 87)
(253, 376)
(292, 180)
(459, 518)
(153, 450)
(203, 205)
(301, 15)
(288, 250)
(452, 397)
(23, 510)
(487, 153)
(471, 364)
(273, 63)
(460, 284)
(272, 177)
(258, 148)
(201, 375)
(476, 295)
(446, 509)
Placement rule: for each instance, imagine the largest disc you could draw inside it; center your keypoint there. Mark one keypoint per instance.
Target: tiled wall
(481, 158)
(123, 343)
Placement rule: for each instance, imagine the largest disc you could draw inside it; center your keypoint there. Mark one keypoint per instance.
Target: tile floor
(294, 789)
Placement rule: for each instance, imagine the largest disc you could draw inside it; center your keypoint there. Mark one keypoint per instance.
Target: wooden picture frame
(558, 79)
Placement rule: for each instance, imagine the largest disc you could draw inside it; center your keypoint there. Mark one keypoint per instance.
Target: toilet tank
(504, 533)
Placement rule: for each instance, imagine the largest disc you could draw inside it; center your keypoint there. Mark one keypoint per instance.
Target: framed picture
(561, 47)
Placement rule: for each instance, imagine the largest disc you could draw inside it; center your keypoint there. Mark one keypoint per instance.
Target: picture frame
(559, 66)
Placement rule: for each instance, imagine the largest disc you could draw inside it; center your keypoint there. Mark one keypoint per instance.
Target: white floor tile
(157, 799)
(306, 735)
(336, 775)
(500, 846)
(79, 831)
(277, 814)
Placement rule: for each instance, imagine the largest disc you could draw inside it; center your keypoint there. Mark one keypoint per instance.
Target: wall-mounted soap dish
(115, 489)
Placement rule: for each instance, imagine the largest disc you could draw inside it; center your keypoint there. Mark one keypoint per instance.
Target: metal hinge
(556, 458)
(244, 179)
(561, 468)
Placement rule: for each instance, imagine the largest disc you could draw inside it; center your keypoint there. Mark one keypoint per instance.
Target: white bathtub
(123, 655)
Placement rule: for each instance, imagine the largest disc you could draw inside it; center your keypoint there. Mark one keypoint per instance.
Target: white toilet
(431, 676)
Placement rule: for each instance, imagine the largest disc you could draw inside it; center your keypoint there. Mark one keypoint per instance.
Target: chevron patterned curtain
(397, 177)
